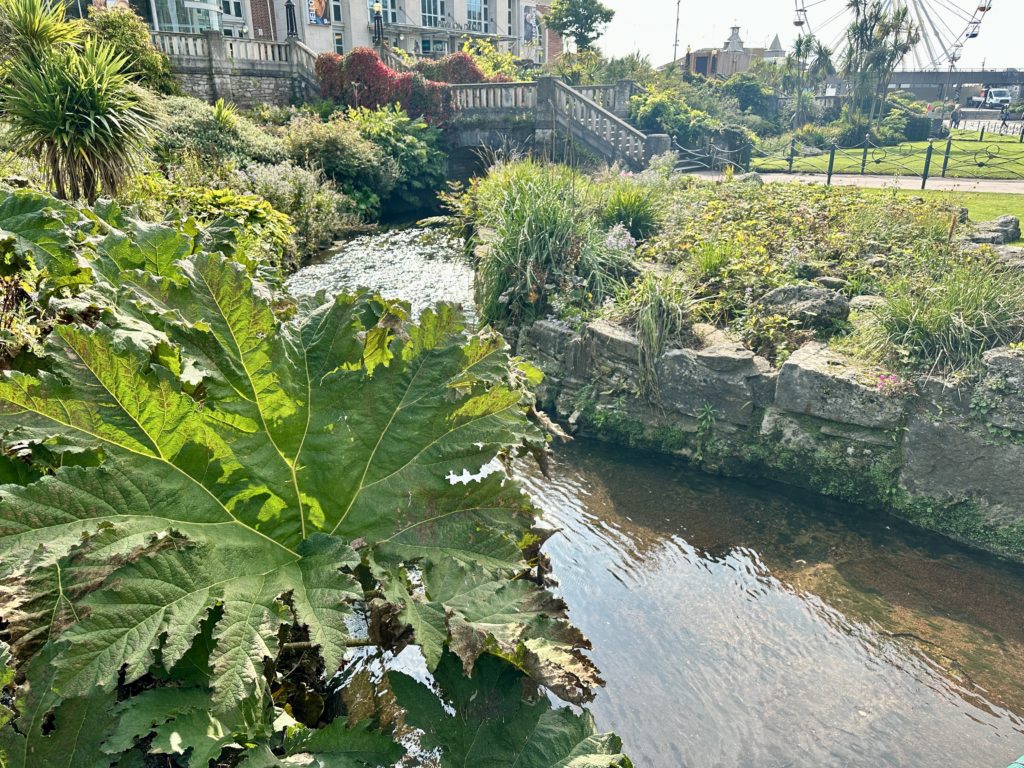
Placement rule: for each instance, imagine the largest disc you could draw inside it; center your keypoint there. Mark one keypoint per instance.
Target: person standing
(378, 23)
(1004, 113)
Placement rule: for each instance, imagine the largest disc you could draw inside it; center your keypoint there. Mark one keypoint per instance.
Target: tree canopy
(582, 20)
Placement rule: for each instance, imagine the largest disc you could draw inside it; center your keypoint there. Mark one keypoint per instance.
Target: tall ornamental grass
(947, 322)
(543, 244)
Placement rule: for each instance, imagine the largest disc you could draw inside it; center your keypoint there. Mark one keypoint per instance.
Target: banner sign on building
(320, 12)
(531, 25)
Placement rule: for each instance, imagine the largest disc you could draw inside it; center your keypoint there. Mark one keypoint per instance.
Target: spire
(775, 51)
(734, 44)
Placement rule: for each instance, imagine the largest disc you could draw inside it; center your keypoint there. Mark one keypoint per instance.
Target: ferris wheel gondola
(945, 26)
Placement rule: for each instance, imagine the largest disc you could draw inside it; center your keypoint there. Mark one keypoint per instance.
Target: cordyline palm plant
(79, 111)
(31, 28)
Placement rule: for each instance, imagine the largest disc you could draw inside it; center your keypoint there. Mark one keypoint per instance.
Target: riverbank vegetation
(775, 266)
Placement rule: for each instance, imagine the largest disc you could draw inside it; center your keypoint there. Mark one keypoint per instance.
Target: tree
(582, 20)
(127, 32)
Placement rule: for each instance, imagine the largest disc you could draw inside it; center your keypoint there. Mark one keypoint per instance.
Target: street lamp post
(675, 45)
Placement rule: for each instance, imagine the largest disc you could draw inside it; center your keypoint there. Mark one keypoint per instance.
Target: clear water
(737, 625)
(741, 625)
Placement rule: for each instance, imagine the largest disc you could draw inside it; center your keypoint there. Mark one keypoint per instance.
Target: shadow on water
(744, 625)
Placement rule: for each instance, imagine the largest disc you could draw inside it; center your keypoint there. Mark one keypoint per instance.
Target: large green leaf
(484, 721)
(265, 465)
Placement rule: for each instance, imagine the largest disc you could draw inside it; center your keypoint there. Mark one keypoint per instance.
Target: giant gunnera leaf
(237, 483)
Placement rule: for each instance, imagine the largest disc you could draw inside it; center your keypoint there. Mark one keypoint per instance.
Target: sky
(649, 25)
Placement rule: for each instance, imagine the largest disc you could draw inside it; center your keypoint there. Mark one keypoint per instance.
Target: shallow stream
(740, 624)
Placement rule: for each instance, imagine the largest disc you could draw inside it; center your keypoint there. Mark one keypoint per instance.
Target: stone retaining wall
(949, 459)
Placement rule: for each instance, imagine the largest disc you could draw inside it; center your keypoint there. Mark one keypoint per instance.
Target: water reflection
(737, 627)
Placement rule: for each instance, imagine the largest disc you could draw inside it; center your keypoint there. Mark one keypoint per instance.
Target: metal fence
(964, 155)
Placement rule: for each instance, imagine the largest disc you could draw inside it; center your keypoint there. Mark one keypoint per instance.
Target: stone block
(724, 377)
(947, 461)
(1000, 395)
(816, 381)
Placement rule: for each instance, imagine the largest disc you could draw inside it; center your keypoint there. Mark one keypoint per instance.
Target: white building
(421, 27)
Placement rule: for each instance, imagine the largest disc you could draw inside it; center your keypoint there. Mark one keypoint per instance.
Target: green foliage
(192, 127)
(360, 168)
(660, 311)
(317, 210)
(582, 20)
(494, 64)
(546, 248)
(943, 316)
(489, 710)
(129, 36)
(78, 110)
(258, 471)
(414, 146)
(634, 206)
(33, 28)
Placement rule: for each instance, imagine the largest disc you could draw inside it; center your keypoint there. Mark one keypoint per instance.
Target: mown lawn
(997, 157)
(982, 206)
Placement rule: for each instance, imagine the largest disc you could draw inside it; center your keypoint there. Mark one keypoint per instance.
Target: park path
(881, 182)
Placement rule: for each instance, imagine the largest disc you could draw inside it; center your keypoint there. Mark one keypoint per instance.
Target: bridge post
(220, 66)
(657, 144)
(623, 93)
(544, 126)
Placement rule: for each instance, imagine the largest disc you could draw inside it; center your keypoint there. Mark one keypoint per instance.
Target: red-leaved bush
(457, 67)
(330, 74)
(361, 79)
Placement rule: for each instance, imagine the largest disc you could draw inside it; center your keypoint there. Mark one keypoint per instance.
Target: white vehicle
(992, 98)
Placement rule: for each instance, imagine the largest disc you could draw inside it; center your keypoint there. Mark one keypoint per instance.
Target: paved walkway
(880, 182)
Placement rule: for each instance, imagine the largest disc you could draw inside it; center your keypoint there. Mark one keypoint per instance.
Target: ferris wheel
(945, 26)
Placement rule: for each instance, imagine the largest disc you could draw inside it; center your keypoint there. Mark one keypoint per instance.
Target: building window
(434, 47)
(339, 43)
(478, 16)
(511, 4)
(336, 16)
(389, 10)
(433, 13)
(232, 8)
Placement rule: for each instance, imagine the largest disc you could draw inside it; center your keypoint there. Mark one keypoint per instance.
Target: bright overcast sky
(648, 26)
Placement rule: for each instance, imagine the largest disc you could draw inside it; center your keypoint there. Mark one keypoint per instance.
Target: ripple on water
(714, 658)
(422, 266)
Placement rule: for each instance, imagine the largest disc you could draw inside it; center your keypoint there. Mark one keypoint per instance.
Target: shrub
(633, 205)
(458, 67)
(78, 111)
(414, 146)
(368, 81)
(318, 211)
(329, 70)
(191, 126)
(360, 168)
(129, 35)
(361, 79)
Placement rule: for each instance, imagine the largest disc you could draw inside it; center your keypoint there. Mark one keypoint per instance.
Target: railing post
(220, 66)
(945, 160)
(656, 144)
(864, 159)
(623, 94)
(544, 124)
(982, 138)
(792, 156)
(927, 164)
(831, 164)
(1022, 135)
